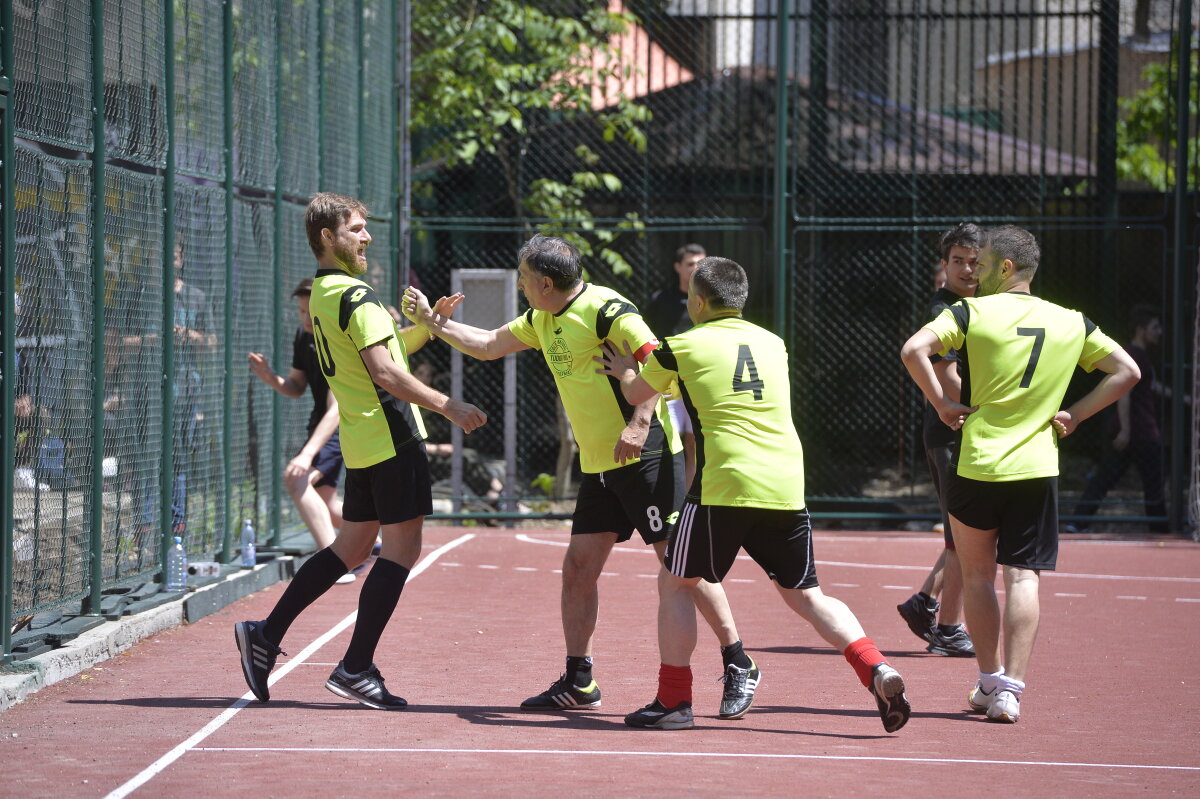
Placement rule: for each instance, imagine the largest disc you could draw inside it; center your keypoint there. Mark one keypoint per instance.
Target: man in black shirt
(938, 623)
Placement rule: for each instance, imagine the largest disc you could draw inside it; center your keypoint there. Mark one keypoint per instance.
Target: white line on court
(946, 760)
(1185, 599)
(1080, 595)
(208, 729)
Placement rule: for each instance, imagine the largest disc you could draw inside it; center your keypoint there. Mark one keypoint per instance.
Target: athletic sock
(378, 598)
(579, 670)
(948, 629)
(929, 602)
(1006, 683)
(735, 655)
(312, 580)
(989, 682)
(674, 685)
(863, 656)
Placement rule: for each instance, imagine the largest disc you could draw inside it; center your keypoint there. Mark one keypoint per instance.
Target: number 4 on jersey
(745, 366)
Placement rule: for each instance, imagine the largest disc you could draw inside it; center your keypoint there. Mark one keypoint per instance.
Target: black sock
(735, 655)
(948, 629)
(312, 580)
(378, 598)
(579, 670)
(929, 601)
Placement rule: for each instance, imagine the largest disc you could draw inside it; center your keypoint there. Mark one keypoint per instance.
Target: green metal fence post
(359, 100)
(91, 603)
(167, 339)
(401, 154)
(1179, 290)
(277, 283)
(9, 370)
(322, 35)
(1106, 153)
(226, 517)
(782, 215)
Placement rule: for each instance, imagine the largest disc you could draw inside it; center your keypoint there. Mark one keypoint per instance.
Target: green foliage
(486, 76)
(1146, 131)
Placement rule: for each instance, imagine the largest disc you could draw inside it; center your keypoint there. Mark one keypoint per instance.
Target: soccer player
(629, 457)
(312, 476)
(748, 493)
(937, 623)
(666, 314)
(1017, 354)
(388, 492)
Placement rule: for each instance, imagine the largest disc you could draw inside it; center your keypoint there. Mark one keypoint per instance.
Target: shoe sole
(950, 653)
(544, 708)
(242, 637)
(1003, 718)
(746, 709)
(345, 694)
(686, 724)
(896, 704)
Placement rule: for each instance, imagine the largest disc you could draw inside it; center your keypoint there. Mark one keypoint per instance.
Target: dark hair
(553, 257)
(690, 249)
(722, 282)
(1142, 315)
(303, 288)
(964, 234)
(1017, 245)
(327, 210)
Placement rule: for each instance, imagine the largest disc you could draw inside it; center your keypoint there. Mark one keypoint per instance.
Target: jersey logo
(609, 312)
(674, 517)
(352, 300)
(559, 356)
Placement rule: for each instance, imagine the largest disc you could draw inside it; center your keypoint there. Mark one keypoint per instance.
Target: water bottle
(177, 566)
(249, 558)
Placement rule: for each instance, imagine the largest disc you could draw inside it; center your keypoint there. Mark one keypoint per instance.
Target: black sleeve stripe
(1088, 326)
(354, 298)
(610, 312)
(962, 315)
(666, 357)
(529, 317)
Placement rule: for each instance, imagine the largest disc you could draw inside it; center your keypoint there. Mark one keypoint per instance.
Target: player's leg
(920, 611)
(580, 601)
(976, 549)
(1147, 457)
(1022, 614)
(713, 604)
(313, 510)
(782, 546)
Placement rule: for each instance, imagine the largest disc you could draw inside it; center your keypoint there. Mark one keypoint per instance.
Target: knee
(579, 570)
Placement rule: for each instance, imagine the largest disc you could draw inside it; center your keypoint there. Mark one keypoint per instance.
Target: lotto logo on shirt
(560, 358)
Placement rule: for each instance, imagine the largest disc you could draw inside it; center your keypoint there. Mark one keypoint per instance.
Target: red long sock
(674, 685)
(863, 656)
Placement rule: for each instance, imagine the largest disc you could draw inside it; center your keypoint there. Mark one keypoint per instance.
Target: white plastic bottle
(249, 556)
(177, 566)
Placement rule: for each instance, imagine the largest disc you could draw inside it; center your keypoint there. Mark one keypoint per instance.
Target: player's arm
(485, 345)
(299, 465)
(393, 378)
(916, 353)
(292, 386)
(1121, 440)
(415, 336)
(622, 365)
(949, 378)
(1121, 373)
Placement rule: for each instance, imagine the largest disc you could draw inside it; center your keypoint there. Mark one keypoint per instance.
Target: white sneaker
(979, 699)
(348, 577)
(1005, 707)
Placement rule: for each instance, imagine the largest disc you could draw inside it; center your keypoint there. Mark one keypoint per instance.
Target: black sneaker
(564, 695)
(888, 688)
(920, 616)
(955, 645)
(738, 695)
(655, 716)
(366, 687)
(258, 656)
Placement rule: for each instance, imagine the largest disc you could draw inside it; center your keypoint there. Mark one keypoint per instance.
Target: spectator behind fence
(1134, 433)
(311, 476)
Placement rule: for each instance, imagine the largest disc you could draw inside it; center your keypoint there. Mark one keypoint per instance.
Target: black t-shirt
(934, 432)
(666, 313)
(304, 358)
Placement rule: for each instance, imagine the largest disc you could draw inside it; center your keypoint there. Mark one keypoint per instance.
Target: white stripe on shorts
(683, 539)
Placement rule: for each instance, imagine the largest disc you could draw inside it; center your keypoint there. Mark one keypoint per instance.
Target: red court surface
(1111, 708)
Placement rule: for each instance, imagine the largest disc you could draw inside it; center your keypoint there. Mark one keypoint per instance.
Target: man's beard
(348, 259)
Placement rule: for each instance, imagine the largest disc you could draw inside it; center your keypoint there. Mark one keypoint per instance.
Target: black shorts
(390, 492)
(329, 462)
(708, 537)
(1025, 512)
(938, 458)
(645, 495)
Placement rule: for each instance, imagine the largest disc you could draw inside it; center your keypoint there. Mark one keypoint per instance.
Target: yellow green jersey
(734, 381)
(347, 318)
(597, 409)
(1017, 353)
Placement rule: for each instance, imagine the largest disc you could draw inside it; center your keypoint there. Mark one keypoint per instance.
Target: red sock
(674, 685)
(863, 656)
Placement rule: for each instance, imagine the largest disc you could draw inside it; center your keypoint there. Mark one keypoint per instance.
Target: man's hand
(416, 307)
(954, 414)
(465, 415)
(615, 363)
(259, 365)
(1064, 423)
(629, 445)
(297, 467)
(1121, 440)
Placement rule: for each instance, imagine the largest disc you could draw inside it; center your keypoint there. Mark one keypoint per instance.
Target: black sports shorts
(708, 537)
(645, 495)
(328, 461)
(390, 492)
(1025, 512)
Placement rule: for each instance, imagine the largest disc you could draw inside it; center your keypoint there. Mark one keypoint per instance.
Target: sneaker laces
(735, 678)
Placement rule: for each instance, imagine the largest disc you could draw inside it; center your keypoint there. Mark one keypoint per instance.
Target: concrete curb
(22, 678)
